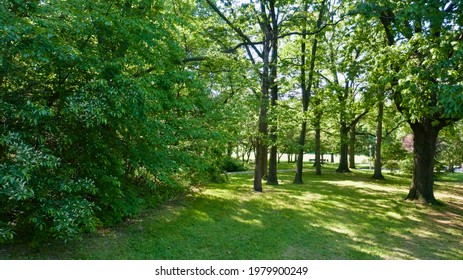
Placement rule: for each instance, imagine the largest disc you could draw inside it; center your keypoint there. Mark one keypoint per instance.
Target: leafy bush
(406, 165)
(392, 165)
(232, 165)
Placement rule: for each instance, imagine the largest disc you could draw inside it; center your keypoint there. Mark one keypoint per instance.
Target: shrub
(232, 165)
(406, 165)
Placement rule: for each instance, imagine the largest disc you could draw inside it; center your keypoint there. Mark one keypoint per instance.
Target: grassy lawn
(333, 216)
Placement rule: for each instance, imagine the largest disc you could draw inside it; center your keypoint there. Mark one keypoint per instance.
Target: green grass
(333, 216)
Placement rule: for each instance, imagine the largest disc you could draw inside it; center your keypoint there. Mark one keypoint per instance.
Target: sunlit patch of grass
(333, 216)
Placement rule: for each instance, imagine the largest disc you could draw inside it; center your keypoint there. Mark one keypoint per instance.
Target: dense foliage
(111, 106)
(99, 115)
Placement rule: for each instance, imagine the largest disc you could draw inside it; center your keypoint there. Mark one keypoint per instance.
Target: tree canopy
(108, 107)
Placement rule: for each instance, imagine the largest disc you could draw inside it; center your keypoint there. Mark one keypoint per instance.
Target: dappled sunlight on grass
(365, 186)
(370, 214)
(334, 216)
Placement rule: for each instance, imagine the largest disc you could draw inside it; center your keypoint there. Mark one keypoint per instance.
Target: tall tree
(425, 43)
(306, 82)
(318, 113)
(377, 174)
(345, 67)
(263, 14)
(274, 30)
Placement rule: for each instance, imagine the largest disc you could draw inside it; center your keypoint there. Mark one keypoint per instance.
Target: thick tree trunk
(272, 178)
(379, 138)
(261, 147)
(344, 147)
(352, 147)
(424, 152)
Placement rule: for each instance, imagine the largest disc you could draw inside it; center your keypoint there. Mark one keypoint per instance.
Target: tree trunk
(343, 164)
(229, 149)
(352, 147)
(261, 147)
(260, 170)
(379, 138)
(272, 178)
(318, 165)
(306, 86)
(300, 155)
(332, 158)
(424, 152)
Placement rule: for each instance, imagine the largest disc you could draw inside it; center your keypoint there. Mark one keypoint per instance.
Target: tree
(424, 49)
(100, 115)
(306, 82)
(267, 22)
(318, 113)
(345, 75)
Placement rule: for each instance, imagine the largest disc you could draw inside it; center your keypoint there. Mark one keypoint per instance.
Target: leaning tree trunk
(379, 138)
(424, 152)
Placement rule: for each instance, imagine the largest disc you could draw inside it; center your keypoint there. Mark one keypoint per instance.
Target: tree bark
(261, 147)
(344, 146)
(379, 138)
(424, 152)
(352, 147)
(260, 170)
(272, 178)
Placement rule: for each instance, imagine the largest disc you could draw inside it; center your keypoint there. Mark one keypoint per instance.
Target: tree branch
(310, 32)
(357, 119)
(194, 59)
(236, 29)
(386, 18)
(395, 128)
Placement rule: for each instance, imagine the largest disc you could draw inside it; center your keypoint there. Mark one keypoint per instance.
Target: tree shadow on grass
(211, 227)
(376, 215)
(343, 217)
